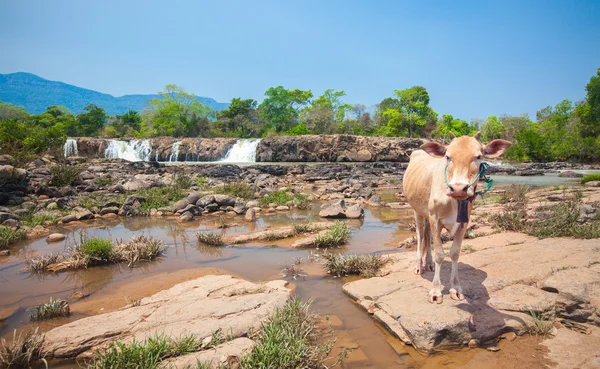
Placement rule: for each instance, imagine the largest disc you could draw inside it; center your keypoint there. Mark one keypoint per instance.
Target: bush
(236, 189)
(97, 250)
(24, 351)
(590, 178)
(65, 175)
(210, 238)
(9, 235)
(182, 180)
(140, 248)
(338, 234)
(288, 340)
(53, 309)
(159, 197)
(343, 265)
(283, 197)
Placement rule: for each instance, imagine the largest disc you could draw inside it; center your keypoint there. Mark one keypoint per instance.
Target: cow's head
(464, 155)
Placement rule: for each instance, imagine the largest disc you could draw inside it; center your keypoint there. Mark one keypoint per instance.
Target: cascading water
(244, 151)
(131, 151)
(175, 151)
(70, 147)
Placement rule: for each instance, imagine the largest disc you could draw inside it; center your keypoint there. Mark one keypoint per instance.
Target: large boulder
(199, 307)
(337, 209)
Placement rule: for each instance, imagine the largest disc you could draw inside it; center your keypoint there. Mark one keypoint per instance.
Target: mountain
(35, 93)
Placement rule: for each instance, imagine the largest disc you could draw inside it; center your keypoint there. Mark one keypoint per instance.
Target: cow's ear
(477, 136)
(434, 149)
(496, 148)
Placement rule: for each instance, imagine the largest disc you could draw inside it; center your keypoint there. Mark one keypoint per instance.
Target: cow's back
(418, 178)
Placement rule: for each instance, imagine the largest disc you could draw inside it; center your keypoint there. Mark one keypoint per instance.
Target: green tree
(326, 114)
(410, 115)
(128, 124)
(280, 109)
(448, 124)
(589, 111)
(91, 121)
(240, 119)
(177, 113)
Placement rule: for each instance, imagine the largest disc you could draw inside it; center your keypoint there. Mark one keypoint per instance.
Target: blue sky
(476, 58)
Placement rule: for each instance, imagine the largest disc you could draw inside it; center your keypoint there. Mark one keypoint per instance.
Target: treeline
(567, 131)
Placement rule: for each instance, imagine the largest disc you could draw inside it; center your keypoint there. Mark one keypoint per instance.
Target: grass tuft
(236, 189)
(32, 219)
(288, 340)
(338, 234)
(9, 235)
(97, 250)
(284, 197)
(542, 324)
(590, 178)
(140, 248)
(24, 351)
(65, 175)
(53, 309)
(342, 265)
(159, 197)
(210, 238)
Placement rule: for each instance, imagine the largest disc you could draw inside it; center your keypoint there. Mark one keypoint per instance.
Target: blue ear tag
(462, 216)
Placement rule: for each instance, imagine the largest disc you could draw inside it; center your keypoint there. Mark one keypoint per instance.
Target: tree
(326, 113)
(410, 114)
(177, 113)
(240, 119)
(91, 121)
(280, 109)
(449, 124)
(589, 111)
(492, 129)
(128, 124)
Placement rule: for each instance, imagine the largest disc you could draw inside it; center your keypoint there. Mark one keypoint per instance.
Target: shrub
(159, 197)
(53, 309)
(343, 265)
(140, 248)
(210, 238)
(24, 351)
(300, 201)
(9, 235)
(338, 234)
(65, 175)
(288, 340)
(283, 197)
(182, 180)
(236, 189)
(201, 182)
(32, 219)
(514, 216)
(590, 178)
(97, 250)
(564, 222)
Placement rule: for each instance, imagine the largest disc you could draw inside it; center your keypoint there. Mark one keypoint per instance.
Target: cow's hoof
(435, 296)
(456, 295)
(430, 267)
(418, 269)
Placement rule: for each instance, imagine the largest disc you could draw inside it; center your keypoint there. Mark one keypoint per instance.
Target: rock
(239, 207)
(364, 155)
(8, 172)
(592, 184)
(250, 215)
(13, 223)
(282, 208)
(219, 302)
(216, 357)
(193, 197)
(4, 252)
(224, 200)
(4, 199)
(186, 217)
(68, 219)
(109, 210)
(252, 204)
(570, 174)
(493, 348)
(82, 214)
(354, 212)
(136, 184)
(6, 215)
(96, 169)
(211, 208)
(205, 201)
(568, 271)
(55, 237)
(333, 209)
(473, 343)
(37, 232)
(52, 206)
(181, 204)
(6, 159)
(48, 191)
(529, 172)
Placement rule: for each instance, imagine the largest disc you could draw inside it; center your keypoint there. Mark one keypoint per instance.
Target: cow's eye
(478, 157)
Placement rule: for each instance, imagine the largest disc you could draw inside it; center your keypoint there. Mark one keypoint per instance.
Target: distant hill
(35, 94)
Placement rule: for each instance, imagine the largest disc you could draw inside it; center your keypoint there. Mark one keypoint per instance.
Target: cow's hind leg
(435, 295)
(456, 292)
(427, 260)
(420, 225)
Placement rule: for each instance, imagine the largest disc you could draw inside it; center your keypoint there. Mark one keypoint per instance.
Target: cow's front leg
(456, 292)
(435, 295)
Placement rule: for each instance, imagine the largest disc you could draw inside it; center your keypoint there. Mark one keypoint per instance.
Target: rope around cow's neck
(480, 175)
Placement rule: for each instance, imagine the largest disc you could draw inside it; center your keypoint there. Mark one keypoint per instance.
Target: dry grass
(139, 248)
(210, 238)
(24, 351)
(365, 265)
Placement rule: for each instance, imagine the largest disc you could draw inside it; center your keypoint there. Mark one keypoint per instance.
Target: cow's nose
(458, 190)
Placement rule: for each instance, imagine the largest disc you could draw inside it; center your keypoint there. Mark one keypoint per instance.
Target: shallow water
(111, 287)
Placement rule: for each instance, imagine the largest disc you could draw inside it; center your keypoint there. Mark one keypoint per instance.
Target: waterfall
(135, 150)
(243, 151)
(70, 148)
(175, 151)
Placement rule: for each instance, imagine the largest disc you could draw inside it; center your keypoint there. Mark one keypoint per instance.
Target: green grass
(338, 234)
(53, 309)
(32, 219)
(147, 354)
(210, 238)
(182, 180)
(64, 175)
(23, 351)
(590, 177)
(9, 235)
(350, 264)
(159, 197)
(288, 340)
(104, 181)
(542, 324)
(283, 197)
(236, 189)
(202, 182)
(97, 250)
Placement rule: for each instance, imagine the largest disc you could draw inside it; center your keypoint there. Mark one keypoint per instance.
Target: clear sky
(476, 58)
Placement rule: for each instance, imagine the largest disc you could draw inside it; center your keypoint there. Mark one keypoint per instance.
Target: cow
(437, 179)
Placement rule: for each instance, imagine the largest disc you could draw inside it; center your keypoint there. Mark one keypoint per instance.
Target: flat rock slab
(199, 307)
(502, 284)
(275, 233)
(216, 357)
